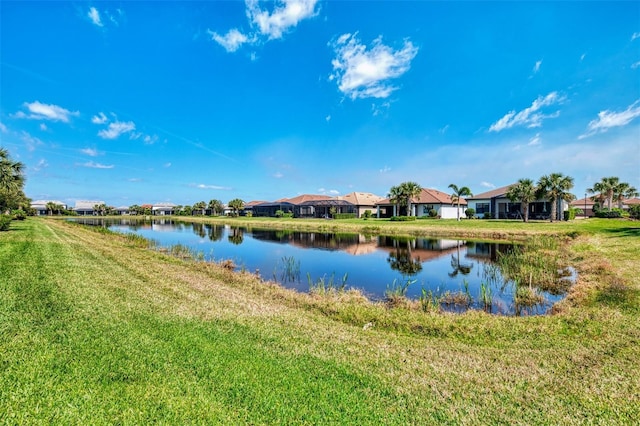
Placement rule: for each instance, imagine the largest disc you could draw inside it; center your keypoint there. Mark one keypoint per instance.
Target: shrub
(19, 214)
(486, 215)
(609, 214)
(571, 213)
(248, 214)
(367, 214)
(433, 213)
(5, 221)
(470, 213)
(403, 218)
(634, 211)
(344, 216)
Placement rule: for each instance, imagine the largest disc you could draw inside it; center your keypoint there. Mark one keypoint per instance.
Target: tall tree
(524, 192)
(11, 182)
(459, 193)
(395, 196)
(236, 204)
(216, 207)
(200, 207)
(555, 187)
(410, 190)
(623, 191)
(605, 188)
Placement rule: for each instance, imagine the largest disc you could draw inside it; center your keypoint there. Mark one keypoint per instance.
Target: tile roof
(361, 198)
(86, 204)
(429, 196)
(302, 198)
(498, 192)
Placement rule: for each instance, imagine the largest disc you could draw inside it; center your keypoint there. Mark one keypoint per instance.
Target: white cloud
(150, 140)
(203, 186)
(116, 128)
(92, 165)
(40, 111)
(608, 119)
(487, 185)
(94, 15)
(635, 36)
(3, 128)
(584, 55)
(99, 119)
(42, 164)
(91, 152)
(529, 117)
(536, 67)
(363, 72)
(332, 192)
(385, 169)
(31, 141)
(635, 65)
(166, 165)
(231, 41)
(43, 127)
(286, 14)
(444, 129)
(328, 118)
(278, 175)
(270, 25)
(535, 140)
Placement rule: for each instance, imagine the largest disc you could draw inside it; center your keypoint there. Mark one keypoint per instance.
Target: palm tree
(410, 190)
(236, 204)
(622, 191)
(216, 207)
(51, 206)
(11, 181)
(525, 192)
(458, 193)
(395, 197)
(606, 188)
(555, 187)
(200, 206)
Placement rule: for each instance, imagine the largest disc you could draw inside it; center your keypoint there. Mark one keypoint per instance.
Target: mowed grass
(95, 329)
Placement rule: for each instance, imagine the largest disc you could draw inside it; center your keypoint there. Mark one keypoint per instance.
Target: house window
(426, 208)
(482, 208)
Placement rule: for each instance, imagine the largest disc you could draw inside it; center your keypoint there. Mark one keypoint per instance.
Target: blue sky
(141, 102)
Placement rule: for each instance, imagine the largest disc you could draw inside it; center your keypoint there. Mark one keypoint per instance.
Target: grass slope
(95, 329)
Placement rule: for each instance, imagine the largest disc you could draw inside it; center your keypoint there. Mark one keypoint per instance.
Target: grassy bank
(96, 329)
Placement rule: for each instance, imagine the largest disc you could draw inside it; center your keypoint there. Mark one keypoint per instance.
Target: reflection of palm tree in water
(459, 268)
(403, 262)
(236, 236)
(215, 232)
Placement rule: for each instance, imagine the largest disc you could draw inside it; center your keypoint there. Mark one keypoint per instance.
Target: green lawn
(95, 329)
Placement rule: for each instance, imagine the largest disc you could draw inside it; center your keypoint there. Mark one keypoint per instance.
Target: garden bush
(486, 215)
(19, 214)
(634, 211)
(5, 221)
(470, 213)
(344, 216)
(433, 213)
(403, 218)
(609, 214)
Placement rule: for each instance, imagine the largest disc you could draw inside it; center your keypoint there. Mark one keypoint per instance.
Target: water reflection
(457, 274)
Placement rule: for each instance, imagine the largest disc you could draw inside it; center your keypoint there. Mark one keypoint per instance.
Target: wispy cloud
(231, 41)
(3, 128)
(99, 119)
(535, 140)
(487, 185)
(364, 72)
(31, 142)
(332, 192)
(635, 36)
(266, 25)
(40, 111)
(42, 164)
(536, 67)
(608, 119)
(116, 129)
(92, 165)
(91, 152)
(94, 16)
(635, 65)
(278, 175)
(166, 165)
(203, 186)
(529, 117)
(385, 169)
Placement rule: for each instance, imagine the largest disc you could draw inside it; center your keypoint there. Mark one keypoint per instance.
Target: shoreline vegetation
(96, 328)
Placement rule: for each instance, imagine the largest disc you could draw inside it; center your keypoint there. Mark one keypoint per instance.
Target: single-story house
(299, 206)
(122, 210)
(587, 204)
(163, 209)
(429, 199)
(499, 206)
(362, 201)
(248, 207)
(322, 208)
(87, 207)
(40, 207)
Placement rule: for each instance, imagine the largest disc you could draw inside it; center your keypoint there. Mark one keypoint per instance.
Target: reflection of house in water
(486, 251)
(421, 248)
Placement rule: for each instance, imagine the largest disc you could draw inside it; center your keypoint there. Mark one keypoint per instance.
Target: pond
(456, 274)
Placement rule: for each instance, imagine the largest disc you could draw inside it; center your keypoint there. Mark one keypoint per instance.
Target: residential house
(499, 206)
(163, 209)
(122, 210)
(429, 199)
(362, 201)
(40, 206)
(587, 205)
(87, 207)
(298, 206)
(248, 207)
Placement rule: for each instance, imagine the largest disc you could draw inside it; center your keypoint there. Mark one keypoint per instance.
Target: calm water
(371, 264)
